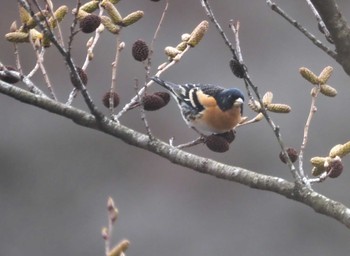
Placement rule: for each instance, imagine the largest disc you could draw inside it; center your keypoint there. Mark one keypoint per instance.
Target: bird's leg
(203, 136)
(195, 142)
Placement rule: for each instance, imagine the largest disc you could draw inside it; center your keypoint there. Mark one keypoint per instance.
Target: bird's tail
(167, 85)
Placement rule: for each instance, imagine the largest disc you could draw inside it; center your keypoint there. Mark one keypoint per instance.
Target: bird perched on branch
(207, 107)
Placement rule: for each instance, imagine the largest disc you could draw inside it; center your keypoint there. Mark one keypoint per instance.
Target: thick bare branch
(318, 202)
(338, 29)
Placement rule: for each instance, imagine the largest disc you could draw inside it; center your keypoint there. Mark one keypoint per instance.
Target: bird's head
(229, 98)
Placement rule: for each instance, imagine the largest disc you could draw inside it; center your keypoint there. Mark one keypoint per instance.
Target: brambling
(207, 107)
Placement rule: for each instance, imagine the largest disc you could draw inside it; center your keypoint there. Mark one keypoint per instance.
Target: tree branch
(316, 201)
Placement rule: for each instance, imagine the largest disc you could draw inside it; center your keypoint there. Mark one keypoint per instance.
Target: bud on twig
(325, 74)
(121, 247)
(309, 75)
(112, 12)
(109, 25)
(140, 50)
(17, 37)
(279, 108)
(90, 6)
(59, 14)
(328, 90)
(171, 51)
(132, 18)
(198, 33)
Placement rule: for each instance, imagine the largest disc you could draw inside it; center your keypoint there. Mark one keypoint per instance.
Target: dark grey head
(228, 97)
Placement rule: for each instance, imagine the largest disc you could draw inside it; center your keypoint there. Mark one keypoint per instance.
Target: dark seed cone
(83, 76)
(237, 69)
(228, 136)
(90, 23)
(152, 102)
(335, 168)
(292, 153)
(107, 96)
(140, 50)
(217, 143)
(164, 95)
(8, 78)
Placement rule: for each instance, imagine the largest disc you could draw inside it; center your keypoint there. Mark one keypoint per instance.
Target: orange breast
(214, 120)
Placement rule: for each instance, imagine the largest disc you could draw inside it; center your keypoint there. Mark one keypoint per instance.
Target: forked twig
(303, 30)
(249, 84)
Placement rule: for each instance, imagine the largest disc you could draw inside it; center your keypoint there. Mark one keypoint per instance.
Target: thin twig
(119, 48)
(142, 111)
(248, 82)
(310, 36)
(18, 60)
(141, 91)
(312, 111)
(40, 60)
(40, 64)
(319, 19)
(195, 142)
(211, 16)
(58, 26)
(73, 32)
(91, 46)
(25, 79)
(69, 61)
(134, 100)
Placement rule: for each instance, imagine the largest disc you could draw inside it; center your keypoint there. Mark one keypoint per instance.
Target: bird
(206, 107)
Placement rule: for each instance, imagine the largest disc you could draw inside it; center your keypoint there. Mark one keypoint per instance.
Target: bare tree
(42, 27)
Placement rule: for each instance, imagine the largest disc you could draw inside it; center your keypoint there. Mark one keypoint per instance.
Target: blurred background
(55, 177)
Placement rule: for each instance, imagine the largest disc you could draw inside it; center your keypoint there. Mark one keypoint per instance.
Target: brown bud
(8, 78)
(83, 77)
(335, 168)
(140, 50)
(164, 95)
(228, 136)
(107, 97)
(152, 102)
(90, 23)
(292, 153)
(217, 143)
(237, 68)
